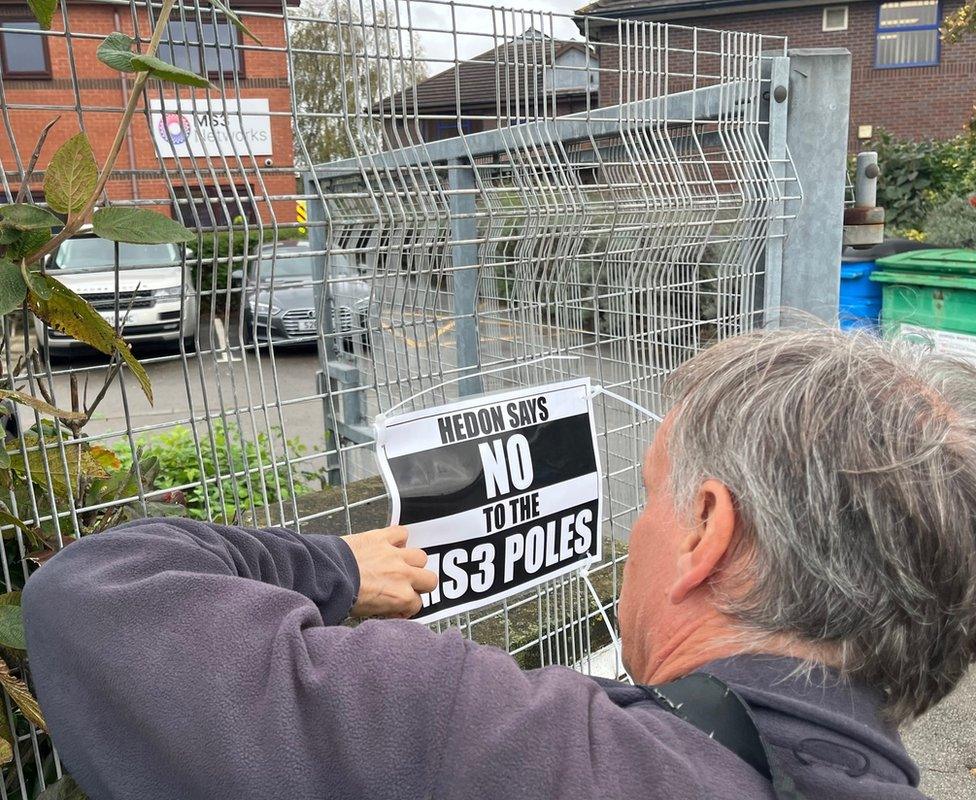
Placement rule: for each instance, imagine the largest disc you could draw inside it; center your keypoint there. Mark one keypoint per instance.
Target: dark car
(282, 308)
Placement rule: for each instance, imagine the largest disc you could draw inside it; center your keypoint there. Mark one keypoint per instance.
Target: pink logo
(175, 128)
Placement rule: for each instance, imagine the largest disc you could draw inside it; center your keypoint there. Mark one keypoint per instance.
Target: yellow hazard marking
(410, 342)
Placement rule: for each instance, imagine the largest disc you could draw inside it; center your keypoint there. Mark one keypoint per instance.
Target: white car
(151, 282)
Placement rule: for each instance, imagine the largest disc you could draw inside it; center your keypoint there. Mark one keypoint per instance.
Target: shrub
(917, 176)
(952, 224)
(231, 482)
(222, 252)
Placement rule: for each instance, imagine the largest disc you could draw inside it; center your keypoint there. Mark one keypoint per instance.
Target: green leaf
(25, 243)
(35, 281)
(43, 463)
(235, 20)
(64, 789)
(25, 217)
(116, 52)
(9, 520)
(43, 11)
(139, 226)
(158, 68)
(157, 509)
(12, 627)
(13, 289)
(72, 175)
(10, 599)
(65, 311)
(39, 405)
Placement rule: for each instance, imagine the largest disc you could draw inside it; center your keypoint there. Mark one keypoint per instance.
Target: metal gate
(399, 204)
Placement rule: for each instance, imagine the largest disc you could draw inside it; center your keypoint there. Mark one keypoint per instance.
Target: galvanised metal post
(464, 260)
(776, 100)
(319, 246)
(817, 132)
(866, 180)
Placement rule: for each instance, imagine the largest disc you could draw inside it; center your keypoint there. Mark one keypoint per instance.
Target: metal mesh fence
(397, 204)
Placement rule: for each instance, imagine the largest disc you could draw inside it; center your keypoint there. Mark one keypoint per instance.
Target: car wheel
(189, 344)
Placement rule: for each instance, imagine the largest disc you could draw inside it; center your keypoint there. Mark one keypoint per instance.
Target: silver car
(152, 295)
(282, 309)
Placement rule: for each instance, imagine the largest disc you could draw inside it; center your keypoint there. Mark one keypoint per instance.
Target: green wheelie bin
(930, 296)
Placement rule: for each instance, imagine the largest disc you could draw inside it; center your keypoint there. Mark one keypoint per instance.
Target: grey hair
(853, 466)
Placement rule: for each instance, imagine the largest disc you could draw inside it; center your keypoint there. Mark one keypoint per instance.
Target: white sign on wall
(502, 491)
(211, 128)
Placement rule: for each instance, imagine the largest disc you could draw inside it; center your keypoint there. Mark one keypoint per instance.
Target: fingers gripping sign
(392, 576)
(500, 492)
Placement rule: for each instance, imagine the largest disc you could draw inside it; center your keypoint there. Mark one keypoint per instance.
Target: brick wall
(79, 79)
(915, 102)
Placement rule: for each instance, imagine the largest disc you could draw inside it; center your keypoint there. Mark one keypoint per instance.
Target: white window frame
(834, 28)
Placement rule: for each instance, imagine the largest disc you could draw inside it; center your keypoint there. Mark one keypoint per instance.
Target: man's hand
(391, 576)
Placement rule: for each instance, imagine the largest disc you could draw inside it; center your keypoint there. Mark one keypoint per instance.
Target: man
(807, 540)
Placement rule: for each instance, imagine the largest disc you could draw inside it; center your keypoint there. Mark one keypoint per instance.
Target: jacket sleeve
(177, 659)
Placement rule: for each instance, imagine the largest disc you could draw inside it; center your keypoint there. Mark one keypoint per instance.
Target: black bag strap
(715, 709)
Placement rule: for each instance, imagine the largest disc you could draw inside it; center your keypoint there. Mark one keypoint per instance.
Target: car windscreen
(96, 254)
(284, 267)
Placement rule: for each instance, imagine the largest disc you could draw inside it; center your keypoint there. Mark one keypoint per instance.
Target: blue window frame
(907, 34)
(445, 129)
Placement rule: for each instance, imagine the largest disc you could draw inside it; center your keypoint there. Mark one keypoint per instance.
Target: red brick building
(903, 79)
(46, 74)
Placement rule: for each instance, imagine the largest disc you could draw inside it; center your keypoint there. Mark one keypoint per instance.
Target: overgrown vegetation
(223, 252)
(917, 177)
(196, 471)
(952, 224)
(51, 469)
(959, 23)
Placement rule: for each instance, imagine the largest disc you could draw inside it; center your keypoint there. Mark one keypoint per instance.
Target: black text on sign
(502, 491)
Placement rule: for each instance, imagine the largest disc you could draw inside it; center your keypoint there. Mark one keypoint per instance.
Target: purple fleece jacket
(176, 660)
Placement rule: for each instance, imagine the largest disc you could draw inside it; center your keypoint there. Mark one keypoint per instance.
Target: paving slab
(943, 741)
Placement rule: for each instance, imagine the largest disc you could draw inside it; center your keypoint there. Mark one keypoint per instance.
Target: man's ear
(703, 547)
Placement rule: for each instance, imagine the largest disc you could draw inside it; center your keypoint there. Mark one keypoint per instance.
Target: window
(206, 48)
(24, 53)
(446, 129)
(212, 207)
(835, 18)
(908, 34)
(88, 254)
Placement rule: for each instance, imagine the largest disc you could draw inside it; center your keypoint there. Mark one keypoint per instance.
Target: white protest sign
(502, 491)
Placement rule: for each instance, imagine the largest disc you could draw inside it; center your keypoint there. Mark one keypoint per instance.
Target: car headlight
(168, 292)
(264, 309)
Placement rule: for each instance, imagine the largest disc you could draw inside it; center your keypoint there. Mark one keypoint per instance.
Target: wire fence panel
(396, 204)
